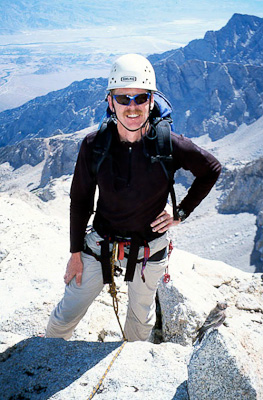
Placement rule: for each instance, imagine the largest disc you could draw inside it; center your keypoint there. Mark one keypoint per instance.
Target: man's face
(132, 116)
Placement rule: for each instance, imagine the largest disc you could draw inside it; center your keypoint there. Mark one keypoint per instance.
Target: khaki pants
(140, 317)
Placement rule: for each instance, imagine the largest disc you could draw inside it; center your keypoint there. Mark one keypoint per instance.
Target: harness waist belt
(104, 259)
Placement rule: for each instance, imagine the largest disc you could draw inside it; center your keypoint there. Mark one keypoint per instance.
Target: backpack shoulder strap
(163, 144)
(101, 147)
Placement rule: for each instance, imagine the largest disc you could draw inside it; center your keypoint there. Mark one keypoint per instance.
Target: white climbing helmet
(132, 71)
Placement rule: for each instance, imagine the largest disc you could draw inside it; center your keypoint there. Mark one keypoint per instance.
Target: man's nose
(132, 103)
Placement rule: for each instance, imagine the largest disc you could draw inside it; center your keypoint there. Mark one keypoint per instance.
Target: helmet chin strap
(133, 130)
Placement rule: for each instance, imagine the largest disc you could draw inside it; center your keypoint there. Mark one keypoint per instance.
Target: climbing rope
(95, 390)
(113, 292)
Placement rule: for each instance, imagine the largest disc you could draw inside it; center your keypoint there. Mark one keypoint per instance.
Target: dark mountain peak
(239, 29)
(244, 19)
(240, 24)
(234, 42)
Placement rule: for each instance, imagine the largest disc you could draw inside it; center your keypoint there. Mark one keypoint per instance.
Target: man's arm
(206, 169)
(202, 164)
(81, 207)
(82, 194)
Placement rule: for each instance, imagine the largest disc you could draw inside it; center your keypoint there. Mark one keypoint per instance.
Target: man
(131, 205)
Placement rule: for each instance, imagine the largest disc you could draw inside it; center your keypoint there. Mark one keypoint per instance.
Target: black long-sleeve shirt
(132, 191)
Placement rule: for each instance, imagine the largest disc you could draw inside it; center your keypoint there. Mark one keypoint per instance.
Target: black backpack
(161, 123)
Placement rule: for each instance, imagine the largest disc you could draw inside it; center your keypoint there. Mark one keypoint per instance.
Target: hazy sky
(190, 19)
(177, 21)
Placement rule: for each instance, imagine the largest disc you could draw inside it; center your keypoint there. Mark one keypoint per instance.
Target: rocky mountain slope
(211, 98)
(244, 193)
(64, 111)
(214, 87)
(34, 163)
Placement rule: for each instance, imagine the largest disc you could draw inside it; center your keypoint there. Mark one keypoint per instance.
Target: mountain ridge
(225, 45)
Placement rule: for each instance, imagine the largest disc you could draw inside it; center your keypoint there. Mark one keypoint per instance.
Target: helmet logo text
(128, 78)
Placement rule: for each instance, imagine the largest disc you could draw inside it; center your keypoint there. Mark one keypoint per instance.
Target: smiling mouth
(132, 115)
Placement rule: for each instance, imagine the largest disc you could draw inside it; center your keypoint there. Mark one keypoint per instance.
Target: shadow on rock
(37, 368)
(181, 392)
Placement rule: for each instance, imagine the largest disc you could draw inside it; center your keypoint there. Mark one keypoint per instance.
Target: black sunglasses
(125, 99)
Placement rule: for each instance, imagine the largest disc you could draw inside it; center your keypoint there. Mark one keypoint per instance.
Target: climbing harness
(133, 243)
(113, 292)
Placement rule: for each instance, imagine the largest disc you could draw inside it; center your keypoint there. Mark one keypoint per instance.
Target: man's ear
(110, 102)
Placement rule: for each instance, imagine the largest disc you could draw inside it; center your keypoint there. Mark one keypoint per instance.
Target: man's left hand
(163, 222)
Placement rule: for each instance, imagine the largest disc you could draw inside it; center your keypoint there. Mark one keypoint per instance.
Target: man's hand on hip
(164, 221)
(74, 268)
